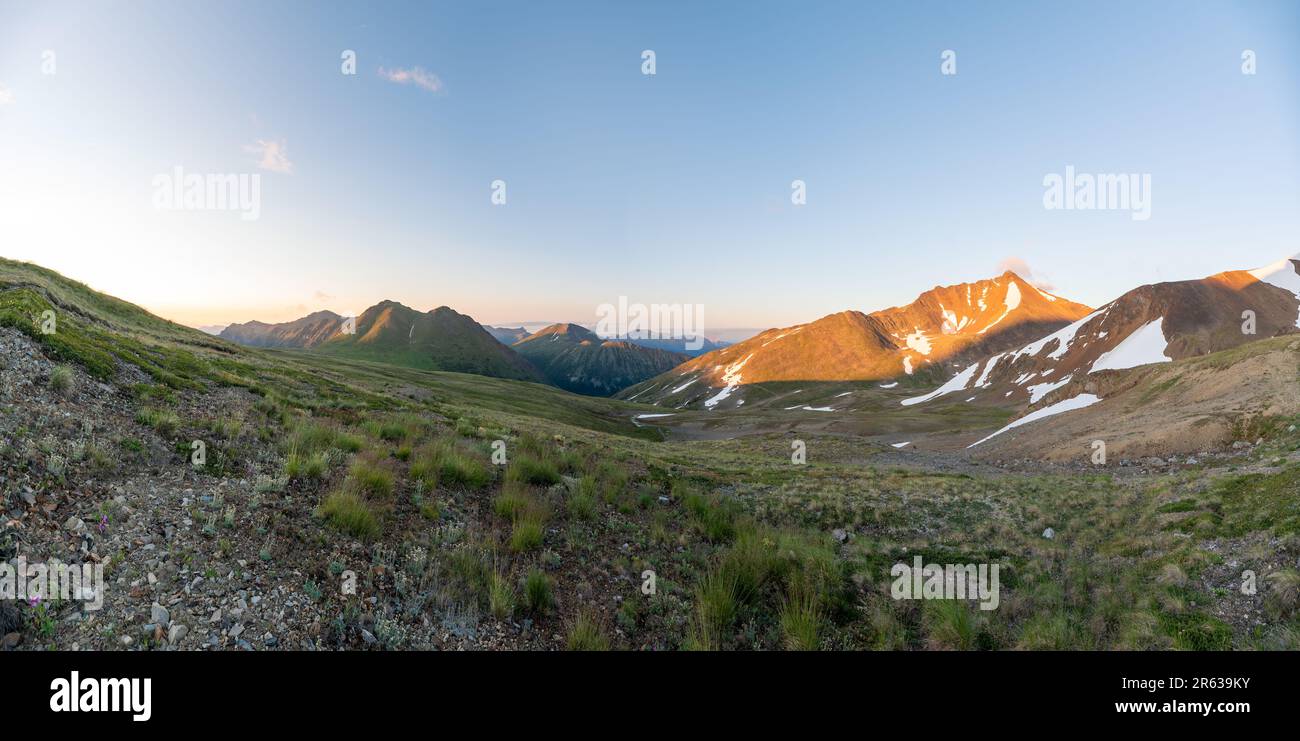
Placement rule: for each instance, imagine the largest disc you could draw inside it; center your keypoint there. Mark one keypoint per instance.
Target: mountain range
(945, 325)
(564, 355)
(575, 359)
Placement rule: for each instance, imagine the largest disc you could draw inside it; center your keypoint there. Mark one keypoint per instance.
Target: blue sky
(666, 188)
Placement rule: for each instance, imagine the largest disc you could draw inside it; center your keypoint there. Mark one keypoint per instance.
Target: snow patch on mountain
(1039, 390)
(919, 342)
(956, 383)
(1012, 302)
(1060, 407)
(732, 379)
(1063, 336)
(988, 368)
(1146, 345)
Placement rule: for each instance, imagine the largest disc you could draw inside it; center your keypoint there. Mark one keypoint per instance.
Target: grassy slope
(742, 545)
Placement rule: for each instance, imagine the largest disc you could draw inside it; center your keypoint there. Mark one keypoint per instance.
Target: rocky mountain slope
(1073, 368)
(1150, 324)
(576, 359)
(944, 326)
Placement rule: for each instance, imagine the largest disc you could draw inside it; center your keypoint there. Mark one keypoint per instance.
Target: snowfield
(1146, 345)
(1039, 390)
(1060, 407)
(956, 383)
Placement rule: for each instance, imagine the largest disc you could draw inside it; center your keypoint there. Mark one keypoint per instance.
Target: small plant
(312, 590)
(348, 513)
(527, 533)
(801, 618)
(370, 479)
(585, 633)
(716, 605)
(162, 421)
(501, 596)
(61, 380)
(538, 596)
(527, 469)
(511, 503)
(582, 505)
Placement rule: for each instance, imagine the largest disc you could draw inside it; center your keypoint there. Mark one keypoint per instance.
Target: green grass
(61, 380)
(801, 618)
(347, 512)
(539, 592)
(586, 633)
(371, 479)
(527, 532)
(313, 467)
(533, 470)
(501, 596)
(164, 422)
(446, 464)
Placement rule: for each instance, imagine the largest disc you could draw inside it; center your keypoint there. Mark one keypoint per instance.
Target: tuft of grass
(582, 505)
(162, 421)
(527, 532)
(586, 633)
(950, 624)
(61, 380)
(716, 607)
(534, 470)
(801, 618)
(715, 518)
(501, 596)
(512, 502)
(347, 512)
(1283, 594)
(443, 463)
(539, 594)
(312, 466)
(370, 479)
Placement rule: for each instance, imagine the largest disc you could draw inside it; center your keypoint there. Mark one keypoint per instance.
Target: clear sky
(666, 188)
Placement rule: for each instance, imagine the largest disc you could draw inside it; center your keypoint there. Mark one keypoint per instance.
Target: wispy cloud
(1021, 268)
(416, 76)
(271, 155)
(6, 95)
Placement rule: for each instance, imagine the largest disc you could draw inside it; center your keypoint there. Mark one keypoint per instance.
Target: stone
(1049, 533)
(74, 524)
(840, 534)
(176, 633)
(159, 614)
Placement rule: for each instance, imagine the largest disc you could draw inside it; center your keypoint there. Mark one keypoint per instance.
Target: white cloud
(6, 95)
(271, 155)
(413, 76)
(1022, 269)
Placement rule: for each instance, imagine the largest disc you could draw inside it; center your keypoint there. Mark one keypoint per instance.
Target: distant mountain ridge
(511, 335)
(942, 327)
(576, 359)
(304, 333)
(389, 332)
